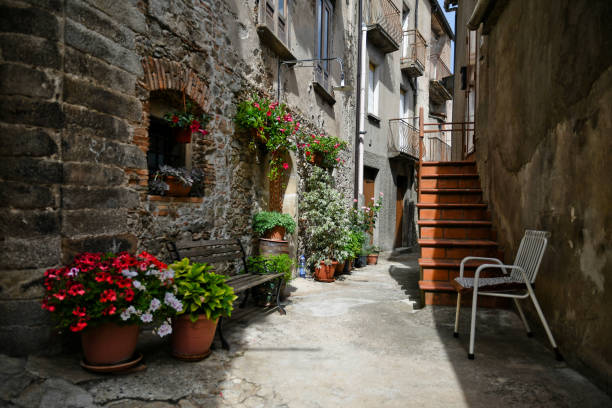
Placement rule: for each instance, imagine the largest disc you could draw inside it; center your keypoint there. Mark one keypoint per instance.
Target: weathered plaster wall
(544, 125)
(74, 118)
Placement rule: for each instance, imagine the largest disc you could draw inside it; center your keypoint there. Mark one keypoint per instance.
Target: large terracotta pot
(192, 341)
(271, 247)
(325, 273)
(275, 234)
(317, 159)
(176, 188)
(182, 135)
(339, 268)
(372, 259)
(109, 343)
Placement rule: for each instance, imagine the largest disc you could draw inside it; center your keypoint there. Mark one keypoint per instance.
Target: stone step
(451, 195)
(454, 167)
(461, 180)
(453, 229)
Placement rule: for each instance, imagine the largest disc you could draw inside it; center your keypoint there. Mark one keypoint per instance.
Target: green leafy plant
(357, 240)
(202, 291)
(266, 220)
(273, 126)
(272, 264)
(324, 215)
(188, 119)
(328, 148)
(364, 218)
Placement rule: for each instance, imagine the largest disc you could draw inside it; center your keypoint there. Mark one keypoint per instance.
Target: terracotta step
(460, 180)
(437, 286)
(452, 211)
(451, 195)
(453, 229)
(454, 167)
(456, 248)
(448, 269)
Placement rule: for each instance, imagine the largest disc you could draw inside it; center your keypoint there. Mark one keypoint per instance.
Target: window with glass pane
(373, 89)
(324, 31)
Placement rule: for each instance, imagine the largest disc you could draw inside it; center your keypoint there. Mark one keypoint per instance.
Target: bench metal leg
(224, 343)
(246, 297)
(281, 309)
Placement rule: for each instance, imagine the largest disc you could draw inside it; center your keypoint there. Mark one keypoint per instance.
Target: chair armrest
(479, 258)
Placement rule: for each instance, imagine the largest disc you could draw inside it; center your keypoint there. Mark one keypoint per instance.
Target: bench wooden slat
(180, 245)
(203, 252)
(254, 281)
(236, 278)
(216, 258)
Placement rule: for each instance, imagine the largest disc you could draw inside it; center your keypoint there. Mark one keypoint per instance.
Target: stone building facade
(401, 78)
(83, 82)
(542, 145)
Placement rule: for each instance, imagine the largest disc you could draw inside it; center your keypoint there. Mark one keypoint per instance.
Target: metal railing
(385, 14)
(437, 68)
(437, 149)
(413, 48)
(403, 137)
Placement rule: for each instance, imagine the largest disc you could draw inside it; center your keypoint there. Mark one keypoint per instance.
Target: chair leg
(456, 332)
(545, 324)
(473, 324)
(520, 310)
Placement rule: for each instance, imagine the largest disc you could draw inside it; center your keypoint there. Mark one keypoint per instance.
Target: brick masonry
(76, 80)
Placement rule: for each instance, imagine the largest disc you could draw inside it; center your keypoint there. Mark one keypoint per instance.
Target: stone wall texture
(544, 126)
(76, 78)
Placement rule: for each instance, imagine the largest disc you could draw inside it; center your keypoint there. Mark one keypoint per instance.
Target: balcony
(384, 22)
(403, 139)
(440, 80)
(413, 59)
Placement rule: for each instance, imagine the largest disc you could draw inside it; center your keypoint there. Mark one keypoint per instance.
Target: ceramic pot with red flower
(109, 343)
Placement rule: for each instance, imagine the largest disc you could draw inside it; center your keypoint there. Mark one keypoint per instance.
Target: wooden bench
(224, 250)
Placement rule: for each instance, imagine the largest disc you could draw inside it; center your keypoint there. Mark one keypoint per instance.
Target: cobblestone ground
(359, 342)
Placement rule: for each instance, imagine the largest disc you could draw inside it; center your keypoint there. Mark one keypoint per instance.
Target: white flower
(147, 318)
(138, 285)
(155, 304)
(153, 272)
(127, 313)
(173, 302)
(164, 329)
(129, 274)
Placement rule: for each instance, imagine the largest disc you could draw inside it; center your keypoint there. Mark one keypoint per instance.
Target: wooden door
(402, 187)
(369, 178)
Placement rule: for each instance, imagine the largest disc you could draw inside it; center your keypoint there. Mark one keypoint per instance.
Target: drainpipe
(478, 14)
(361, 117)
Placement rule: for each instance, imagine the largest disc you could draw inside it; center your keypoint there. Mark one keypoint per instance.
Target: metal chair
(517, 285)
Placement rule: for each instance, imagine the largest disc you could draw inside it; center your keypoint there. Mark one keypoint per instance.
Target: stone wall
(76, 78)
(543, 147)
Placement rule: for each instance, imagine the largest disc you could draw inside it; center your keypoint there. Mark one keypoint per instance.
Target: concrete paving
(362, 341)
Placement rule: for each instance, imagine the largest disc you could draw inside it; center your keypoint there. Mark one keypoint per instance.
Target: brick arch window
(168, 85)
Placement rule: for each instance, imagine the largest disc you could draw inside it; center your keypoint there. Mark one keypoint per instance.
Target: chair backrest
(530, 253)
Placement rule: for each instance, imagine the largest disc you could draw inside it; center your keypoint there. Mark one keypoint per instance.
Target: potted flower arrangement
(326, 221)
(273, 225)
(264, 293)
(205, 297)
(176, 181)
(372, 254)
(272, 126)
(186, 122)
(323, 150)
(105, 297)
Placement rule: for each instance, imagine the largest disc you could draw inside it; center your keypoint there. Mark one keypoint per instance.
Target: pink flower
(285, 166)
(336, 145)
(355, 200)
(337, 159)
(255, 104)
(281, 130)
(313, 136)
(268, 113)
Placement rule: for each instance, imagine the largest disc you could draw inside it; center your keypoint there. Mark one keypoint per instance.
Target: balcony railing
(403, 138)
(437, 68)
(384, 23)
(413, 53)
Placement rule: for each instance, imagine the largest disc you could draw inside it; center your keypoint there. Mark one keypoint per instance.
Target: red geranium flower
(109, 311)
(76, 290)
(108, 295)
(79, 312)
(285, 166)
(78, 326)
(61, 295)
(175, 119)
(128, 294)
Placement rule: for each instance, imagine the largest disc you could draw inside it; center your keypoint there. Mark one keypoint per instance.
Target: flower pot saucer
(325, 280)
(114, 368)
(192, 357)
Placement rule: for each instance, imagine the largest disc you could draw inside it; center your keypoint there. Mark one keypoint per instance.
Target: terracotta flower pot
(372, 259)
(176, 188)
(316, 158)
(109, 343)
(182, 135)
(325, 273)
(339, 268)
(275, 234)
(191, 341)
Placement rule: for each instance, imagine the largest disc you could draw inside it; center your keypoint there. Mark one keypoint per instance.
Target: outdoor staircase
(454, 223)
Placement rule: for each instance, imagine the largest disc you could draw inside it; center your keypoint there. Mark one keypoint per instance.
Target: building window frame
(373, 88)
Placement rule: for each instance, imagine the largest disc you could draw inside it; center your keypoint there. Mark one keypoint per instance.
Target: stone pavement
(359, 342)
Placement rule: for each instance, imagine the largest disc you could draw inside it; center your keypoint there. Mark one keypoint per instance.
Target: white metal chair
(517, 285)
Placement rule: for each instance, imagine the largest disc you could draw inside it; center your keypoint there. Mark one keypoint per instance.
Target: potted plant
(271, 126)
(177, 181)
(273, 225)
(205, 297)
(105, 297)
(372, 254)
(265, 293)
(322, 150)
(324, 215)
(187, 122)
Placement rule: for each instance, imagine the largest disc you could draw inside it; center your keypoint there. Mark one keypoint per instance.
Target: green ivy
(202, 291)
(272, 264)
(266, 220)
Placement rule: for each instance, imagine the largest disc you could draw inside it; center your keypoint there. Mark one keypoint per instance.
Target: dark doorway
(402, 187)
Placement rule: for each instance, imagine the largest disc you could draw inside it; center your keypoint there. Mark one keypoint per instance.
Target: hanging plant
(271, 126)
(322, 150)
(188, 120)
